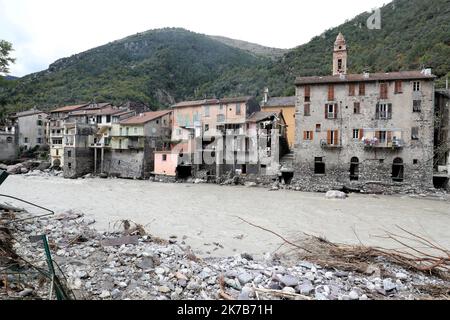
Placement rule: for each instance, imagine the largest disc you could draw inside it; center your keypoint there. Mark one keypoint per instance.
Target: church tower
(340, 56)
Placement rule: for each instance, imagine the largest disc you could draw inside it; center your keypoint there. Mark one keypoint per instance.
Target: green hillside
(162, 66)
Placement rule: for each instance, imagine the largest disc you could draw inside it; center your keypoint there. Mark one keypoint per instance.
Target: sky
(44, 31)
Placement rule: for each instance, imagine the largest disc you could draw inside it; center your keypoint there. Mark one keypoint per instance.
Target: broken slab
(117, 242)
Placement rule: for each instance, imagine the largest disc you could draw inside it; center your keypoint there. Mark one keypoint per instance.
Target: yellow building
(286, 105)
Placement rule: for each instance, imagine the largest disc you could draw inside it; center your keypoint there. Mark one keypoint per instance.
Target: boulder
(333, 194)
(44, 166)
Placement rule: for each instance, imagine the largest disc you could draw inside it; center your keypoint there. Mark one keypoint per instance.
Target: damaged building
(371, 132)
(442, 139)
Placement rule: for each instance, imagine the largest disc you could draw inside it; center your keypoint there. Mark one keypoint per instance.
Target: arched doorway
(354, 169)
(398, 170)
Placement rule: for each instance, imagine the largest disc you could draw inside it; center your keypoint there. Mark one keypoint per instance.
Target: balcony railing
(375, 143)
(325, 144)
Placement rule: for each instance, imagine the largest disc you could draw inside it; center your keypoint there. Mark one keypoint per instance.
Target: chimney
(366, 75)
(266, 95)
(427, 72)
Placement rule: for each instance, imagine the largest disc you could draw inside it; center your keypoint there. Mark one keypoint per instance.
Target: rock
(105, 294)
(388, 285)
(305, 288)
(181, 276)
(25, 292)
(353, 295)
(123, 285)
(116, 293)
(245, 278)
(24, 170)
(245, 293)
(289, 290)
(363, 298)
(199, 181)
(160, 271)
(164, 289)
(333, 194)
(246, 256)
(329, 275)
(14, 169)
(401, 276)
(289, 280)
(44, 166)
(310, 276)
(251, 184)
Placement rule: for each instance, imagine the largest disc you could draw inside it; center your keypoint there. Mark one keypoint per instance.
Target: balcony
(325, 144)
(375, 143)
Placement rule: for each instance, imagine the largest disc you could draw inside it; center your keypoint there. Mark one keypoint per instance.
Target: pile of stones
(109, 265)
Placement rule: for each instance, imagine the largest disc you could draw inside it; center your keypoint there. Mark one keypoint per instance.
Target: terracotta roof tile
(145, 117)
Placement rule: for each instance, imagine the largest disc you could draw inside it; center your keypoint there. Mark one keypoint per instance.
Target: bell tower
(340, 56)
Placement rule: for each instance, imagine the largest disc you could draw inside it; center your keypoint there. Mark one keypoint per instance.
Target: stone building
(285, 105)
(442, 139)
(133, 143)
(9, 147)
(369, 132)
(32, 128)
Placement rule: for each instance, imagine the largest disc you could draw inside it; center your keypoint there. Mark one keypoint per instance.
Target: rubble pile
(32, 168)
(130, 264)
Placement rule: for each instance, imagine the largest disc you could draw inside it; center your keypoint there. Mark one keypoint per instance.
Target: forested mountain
(159, 67)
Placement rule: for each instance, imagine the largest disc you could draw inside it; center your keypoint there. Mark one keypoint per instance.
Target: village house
(370, 131)
(442, 139)
(32, 128)
(56, 132)
(285, 105)
(219, 137)
(9, 147)
(134, 141)
(86, 130)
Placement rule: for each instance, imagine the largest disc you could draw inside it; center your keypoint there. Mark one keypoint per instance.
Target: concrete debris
(149, 269)
(336, 195)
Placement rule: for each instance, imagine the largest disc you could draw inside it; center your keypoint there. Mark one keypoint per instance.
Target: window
(398, 170)
(238, 109)
(99, 119)
(351, 89)
(57, 152)
(308, 135)
(333, 137)
(319, 166)
(331, 111)
(416, 86)
(307, 94)
(69, 165)
(398, 86)
(381, 136)
(415, 161)
(39, 132)
(417, 106)
(164, 157)
(69, 154)
(362, 89)
(25, 140)
(108, 119)
(179, 132)
(354, 169)
(318, 127)
(383, 111)
(355, 133)
(357, 108)
(39, 123)
(330, 92)
(415, 133)
(206, 127)
(383, 90)
(207, 111)
(307, 110)
(9, 140)
(220, 118)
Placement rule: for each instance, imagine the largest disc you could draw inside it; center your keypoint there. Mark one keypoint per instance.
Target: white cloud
(46, 30)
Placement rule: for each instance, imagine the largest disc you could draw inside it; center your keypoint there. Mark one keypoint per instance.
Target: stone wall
(79, 163)
(125, 163)
(8, 147)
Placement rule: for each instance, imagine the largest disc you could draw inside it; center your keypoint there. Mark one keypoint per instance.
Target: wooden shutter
(351, 89)
(336, 137)
(390, 111)
(307, 91)
(330, 92)
(307, 110)
(304, 135)
(336, 110)
(326, 111)
(362, 89)
(329, 137)
(311, 135)
(361, 133)
(377, 111)
(383, 90)
(389, 136)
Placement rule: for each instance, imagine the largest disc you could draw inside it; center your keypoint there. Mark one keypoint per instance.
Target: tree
(5, 59)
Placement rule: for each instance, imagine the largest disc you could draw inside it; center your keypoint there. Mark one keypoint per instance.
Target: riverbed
(205, 216)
